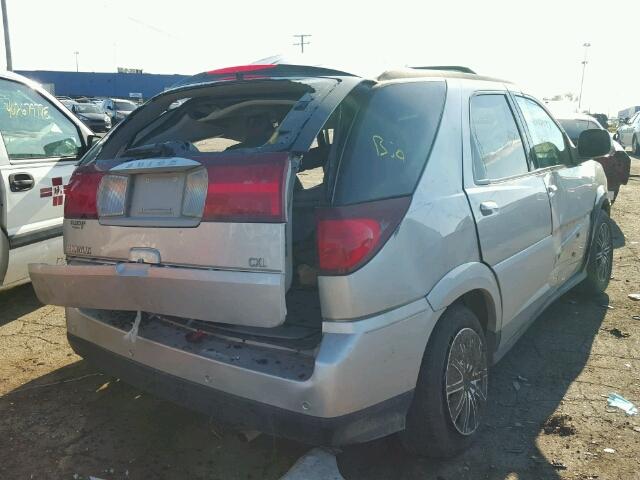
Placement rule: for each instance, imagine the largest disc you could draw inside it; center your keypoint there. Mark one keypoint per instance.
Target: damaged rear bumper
(186, 292)
(356, 387)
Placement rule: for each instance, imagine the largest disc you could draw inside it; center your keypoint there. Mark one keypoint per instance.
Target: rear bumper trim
(367, 424)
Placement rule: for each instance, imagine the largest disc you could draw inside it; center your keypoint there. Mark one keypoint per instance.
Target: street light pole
(7, 41)
(586, 45)
(76, 54)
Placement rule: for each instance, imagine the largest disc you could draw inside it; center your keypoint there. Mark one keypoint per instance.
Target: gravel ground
(60, 418)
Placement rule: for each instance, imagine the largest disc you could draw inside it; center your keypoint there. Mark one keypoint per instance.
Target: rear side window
(389, 142)
(548, 142)
(496, 143)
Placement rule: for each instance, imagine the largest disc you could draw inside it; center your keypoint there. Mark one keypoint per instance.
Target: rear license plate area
(157, 195)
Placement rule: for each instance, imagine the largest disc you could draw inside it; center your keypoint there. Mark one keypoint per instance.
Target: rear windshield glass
(575, 127)
(234, 118)
(87, 108)
(389, 142)
(125, 106)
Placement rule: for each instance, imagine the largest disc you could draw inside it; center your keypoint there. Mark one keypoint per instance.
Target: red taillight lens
(247, 190)
(241, 69)
(348, 237)
(81, 196)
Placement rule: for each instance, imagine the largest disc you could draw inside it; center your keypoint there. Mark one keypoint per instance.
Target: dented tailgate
(241, 298)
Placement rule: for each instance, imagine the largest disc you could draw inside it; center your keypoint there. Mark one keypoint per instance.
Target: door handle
(489, 208)
(21, 182)
(552, 189)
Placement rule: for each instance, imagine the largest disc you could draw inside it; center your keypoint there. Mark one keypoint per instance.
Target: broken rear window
(233, 117)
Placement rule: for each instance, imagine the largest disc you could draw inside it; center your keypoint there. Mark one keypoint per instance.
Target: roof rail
(451, 68)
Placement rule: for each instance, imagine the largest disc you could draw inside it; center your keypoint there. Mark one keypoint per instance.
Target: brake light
(81, 198)
(241, 69)
(349, 236)
(247, 190)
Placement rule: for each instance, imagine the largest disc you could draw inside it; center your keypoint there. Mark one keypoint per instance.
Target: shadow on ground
(526, 388)
(78, 421)
(17, 302)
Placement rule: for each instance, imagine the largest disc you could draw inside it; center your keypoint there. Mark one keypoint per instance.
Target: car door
(40, 145)
(511, 208)
(626, 131)
(571, 187)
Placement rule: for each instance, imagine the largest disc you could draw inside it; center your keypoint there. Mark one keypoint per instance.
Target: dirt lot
(59, 418)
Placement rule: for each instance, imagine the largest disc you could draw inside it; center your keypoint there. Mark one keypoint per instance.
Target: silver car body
(508, 247)
(629, 131)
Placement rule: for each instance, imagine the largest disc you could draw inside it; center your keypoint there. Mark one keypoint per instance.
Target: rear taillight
(112, 195)
(81, 194)
(246, 191)
(349, 236)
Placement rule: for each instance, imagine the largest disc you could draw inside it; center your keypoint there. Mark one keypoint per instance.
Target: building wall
(94, 84)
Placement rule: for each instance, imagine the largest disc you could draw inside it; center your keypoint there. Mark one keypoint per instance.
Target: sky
(536, 44)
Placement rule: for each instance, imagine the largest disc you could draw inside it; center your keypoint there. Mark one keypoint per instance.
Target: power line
(301, 43)
(7, 42)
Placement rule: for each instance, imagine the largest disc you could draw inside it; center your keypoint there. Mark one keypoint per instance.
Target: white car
(629, 134)
(41, 144)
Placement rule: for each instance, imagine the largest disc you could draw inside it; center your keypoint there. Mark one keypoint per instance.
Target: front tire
(451, 393)
(635, 146)
(600, 256)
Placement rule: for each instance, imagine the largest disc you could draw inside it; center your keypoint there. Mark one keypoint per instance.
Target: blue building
(92, 84)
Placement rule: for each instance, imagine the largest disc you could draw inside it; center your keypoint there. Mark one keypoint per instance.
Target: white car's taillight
(195, 193)
(112, 195)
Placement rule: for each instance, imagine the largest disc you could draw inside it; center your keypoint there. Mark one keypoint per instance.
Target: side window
(32, 128)
(549, 146)
(390, 141)
(495, 141)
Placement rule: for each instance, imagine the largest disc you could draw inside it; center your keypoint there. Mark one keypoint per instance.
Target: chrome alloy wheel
(466, 381)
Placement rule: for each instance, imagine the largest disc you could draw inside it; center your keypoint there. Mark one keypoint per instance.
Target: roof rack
(451, 68)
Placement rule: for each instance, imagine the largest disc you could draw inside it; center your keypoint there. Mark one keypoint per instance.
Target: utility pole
(301, 42)
(586, 45)
(7, 41)
(76, 54)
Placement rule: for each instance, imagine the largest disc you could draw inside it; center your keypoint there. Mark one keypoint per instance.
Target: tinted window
(33, 128)
(548, 142)
(125, 106)
(389, 142)
(496, 143)
(575, 127)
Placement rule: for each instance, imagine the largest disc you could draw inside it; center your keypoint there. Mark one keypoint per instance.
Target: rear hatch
(185, 209)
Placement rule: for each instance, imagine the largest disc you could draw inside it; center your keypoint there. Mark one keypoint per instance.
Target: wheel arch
(474, 285)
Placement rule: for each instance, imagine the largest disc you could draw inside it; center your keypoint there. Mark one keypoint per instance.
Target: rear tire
(451, 393)
(600, 256)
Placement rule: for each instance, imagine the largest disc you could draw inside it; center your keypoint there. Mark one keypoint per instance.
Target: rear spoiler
(260, 71)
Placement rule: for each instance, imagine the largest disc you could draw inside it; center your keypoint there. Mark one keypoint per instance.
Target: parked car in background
(68, 103)
(616, 164)
(92, 116)
(628, 133)
(368, 302)
(40, 146)
(117, 109)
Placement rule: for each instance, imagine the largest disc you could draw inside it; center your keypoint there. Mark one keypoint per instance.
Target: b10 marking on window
(382, 151)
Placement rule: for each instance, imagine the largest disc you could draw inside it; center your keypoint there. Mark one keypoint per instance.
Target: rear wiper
(170, 148)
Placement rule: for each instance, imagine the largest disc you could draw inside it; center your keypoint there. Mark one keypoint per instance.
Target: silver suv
(326, 257)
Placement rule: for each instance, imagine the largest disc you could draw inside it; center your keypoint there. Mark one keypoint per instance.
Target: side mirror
(626, 120)
(594, 143)
(109, 107)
